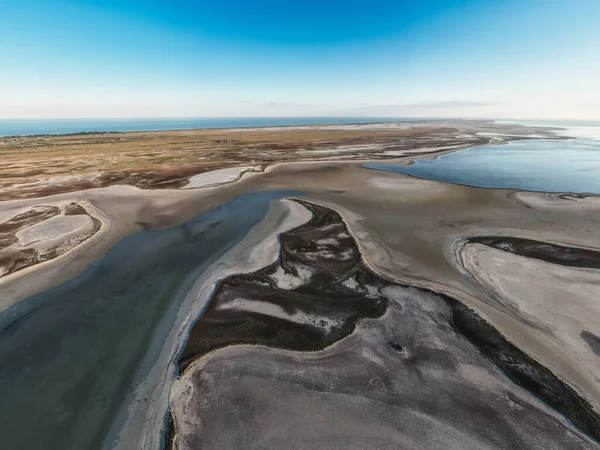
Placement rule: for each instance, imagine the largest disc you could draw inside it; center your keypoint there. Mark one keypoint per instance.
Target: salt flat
(413, 234)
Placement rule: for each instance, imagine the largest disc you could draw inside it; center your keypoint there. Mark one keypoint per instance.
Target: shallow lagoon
(71, 357)
(571, 165)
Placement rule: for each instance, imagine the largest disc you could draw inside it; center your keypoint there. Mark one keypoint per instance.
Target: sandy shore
(408, 230)
(258, 249)
(365, 390)
(37, 166)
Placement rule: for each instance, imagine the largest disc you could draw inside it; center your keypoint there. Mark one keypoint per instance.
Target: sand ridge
(408, 230)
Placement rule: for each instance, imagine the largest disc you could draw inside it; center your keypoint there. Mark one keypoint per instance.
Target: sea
(16, 127)
(570, 165)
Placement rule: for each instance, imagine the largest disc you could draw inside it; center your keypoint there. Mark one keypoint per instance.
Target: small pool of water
(571, 165)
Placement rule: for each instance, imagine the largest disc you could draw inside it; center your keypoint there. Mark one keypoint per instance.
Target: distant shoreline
(13, 128)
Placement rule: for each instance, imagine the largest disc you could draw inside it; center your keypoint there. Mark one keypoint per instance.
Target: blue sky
(183, 58)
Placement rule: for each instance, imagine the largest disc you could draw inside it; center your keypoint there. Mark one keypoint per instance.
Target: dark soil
(555, 254)
(325, 296)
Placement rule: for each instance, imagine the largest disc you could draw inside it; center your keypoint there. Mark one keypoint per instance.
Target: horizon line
(563, 119)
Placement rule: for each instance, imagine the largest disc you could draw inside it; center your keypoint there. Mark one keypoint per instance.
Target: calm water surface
(69, 357)
(12, 127)
(539, 165)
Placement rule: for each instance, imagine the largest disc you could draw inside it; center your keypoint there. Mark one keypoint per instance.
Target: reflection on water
(540, 165)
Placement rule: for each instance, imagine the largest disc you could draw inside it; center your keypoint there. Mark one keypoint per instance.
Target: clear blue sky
(183, 58)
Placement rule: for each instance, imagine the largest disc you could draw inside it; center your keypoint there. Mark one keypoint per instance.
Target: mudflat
(364, 392)
(287, 277)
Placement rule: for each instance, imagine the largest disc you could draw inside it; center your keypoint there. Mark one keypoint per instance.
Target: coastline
(186, 423)
(268, 122)
(259, 248)
(167, 160)
(114, 229)
(509, 327)
(128, 209)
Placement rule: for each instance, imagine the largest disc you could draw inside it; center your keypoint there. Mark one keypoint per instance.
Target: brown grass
(30, 165)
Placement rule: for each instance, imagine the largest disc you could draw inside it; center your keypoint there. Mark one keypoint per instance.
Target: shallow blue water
(71, 356)
(539, 165)
(12, 127)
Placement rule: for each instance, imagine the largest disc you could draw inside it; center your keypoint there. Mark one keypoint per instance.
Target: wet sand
(43, 233)
(544, 251)
(310, 298)
(141, 420)
(256, 384)
(409, 231)
(126, 317)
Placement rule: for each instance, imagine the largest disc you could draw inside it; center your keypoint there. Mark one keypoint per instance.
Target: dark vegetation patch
(169, 438)
(592, 340)
(173, 177)
(555, 254)
(6, 240)
(28, 218)
(576, 196)
(323, 246)
(74, 209)
(14, 259)
(323, 297)
(524, 370)
(11, 261)
(160, 160)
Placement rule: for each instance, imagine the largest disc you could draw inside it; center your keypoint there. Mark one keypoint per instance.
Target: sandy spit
(259, 249)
